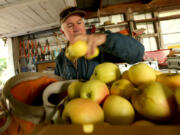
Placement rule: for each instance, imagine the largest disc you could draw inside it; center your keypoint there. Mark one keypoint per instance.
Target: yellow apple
(177, 97)
(172, 80)
(143, 123)
(82, 111)
(106, 72)
(74, 89)
(141, 73)
(122, 88)
(155, 101)
(157, 72)
(96, 53)
(118, 110)
(78, 49)
(67, 54)
(125, 75)
(95, 90)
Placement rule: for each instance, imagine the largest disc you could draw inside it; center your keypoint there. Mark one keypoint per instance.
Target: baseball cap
(70, 11)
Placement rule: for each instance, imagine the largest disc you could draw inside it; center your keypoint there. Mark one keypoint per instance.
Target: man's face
(73, 26)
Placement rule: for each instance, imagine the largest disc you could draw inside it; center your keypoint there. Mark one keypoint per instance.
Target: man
(113, 47)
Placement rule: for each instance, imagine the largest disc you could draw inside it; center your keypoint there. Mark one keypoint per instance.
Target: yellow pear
(122, 88)
(78, 49)
(141, 73)
(106, 72)
(156, 101)
(96, 53)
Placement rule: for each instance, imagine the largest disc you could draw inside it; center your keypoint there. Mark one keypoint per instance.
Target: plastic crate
(158, 55)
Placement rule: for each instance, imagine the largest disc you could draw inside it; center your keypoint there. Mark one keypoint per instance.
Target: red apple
(95, 90)
(83, 111)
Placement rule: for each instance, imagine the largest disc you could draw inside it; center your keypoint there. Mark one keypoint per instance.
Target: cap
(70, 11)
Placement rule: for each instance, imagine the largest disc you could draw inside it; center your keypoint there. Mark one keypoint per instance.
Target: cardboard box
(106, 130)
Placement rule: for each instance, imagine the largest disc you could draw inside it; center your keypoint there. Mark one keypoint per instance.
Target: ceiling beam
(155, 5)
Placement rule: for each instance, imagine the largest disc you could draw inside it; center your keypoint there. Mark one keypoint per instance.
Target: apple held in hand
(106, 72)
(95, 90)
(96, 53)
(155, 101)
(78, 49)
(118, 110)
(67, 54)
(83, 111)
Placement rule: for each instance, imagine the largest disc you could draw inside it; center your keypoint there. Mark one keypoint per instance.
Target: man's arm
(124, 47)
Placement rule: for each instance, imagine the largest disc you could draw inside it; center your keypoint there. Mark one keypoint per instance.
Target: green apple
(141, 73)
(118, 110)
(74, 89)
(106, 72)
(83, 111)
(155, 101)
(122, 87)
(95, 90)
(78, 49)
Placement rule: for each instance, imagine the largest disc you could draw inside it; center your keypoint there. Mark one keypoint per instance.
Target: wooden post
(157, 28)
(130, 19)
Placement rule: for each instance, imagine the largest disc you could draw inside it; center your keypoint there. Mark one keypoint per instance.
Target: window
(170, 29)
(149, 43)
(3, 63)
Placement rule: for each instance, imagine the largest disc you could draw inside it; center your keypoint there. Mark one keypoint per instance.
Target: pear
(155, 101)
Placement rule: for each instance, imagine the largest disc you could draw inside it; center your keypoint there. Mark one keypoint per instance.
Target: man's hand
(93, 40)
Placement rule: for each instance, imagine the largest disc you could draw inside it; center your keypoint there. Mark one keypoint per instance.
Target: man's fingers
(90, 45)
(79, 37)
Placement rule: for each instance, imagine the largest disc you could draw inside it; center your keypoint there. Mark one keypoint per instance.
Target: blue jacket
(118, 48)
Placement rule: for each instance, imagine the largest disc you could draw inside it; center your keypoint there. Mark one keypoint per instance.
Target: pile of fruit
(139, 96)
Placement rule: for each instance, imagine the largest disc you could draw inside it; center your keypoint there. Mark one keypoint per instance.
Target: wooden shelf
(44, 65)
